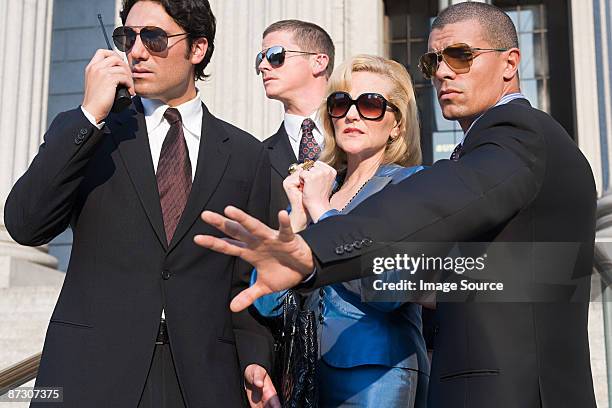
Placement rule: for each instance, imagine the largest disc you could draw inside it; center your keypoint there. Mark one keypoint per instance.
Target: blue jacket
(355, 333)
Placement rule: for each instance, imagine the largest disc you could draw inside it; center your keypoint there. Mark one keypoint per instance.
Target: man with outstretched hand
(516, 177)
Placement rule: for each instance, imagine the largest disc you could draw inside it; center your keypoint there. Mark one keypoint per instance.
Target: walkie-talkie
(122, 96)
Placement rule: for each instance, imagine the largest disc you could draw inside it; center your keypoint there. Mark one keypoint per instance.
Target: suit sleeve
(40, 205)
(254, 341)
(452, 201)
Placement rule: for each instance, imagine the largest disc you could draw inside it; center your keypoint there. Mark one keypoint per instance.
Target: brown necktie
(173, 173)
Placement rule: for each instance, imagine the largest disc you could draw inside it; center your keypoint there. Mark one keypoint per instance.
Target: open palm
(282, 258)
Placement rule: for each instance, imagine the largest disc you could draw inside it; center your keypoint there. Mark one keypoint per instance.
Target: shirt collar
(293, 124)
(191, 113)
(503, 100)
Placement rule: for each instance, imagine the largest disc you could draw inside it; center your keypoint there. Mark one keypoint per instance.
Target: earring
(390, 140)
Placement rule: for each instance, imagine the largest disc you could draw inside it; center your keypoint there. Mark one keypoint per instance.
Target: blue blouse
(353, 332)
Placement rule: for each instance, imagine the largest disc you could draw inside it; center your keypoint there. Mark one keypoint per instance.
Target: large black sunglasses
(458, 57)
(275, 56)
(155, 39)
(371, 106)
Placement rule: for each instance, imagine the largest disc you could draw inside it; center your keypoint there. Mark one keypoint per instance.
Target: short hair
(498, 28)
(194, 16)
(309, 36)
(405, 149)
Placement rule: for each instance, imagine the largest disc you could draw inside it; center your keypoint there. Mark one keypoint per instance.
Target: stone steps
(24, 317)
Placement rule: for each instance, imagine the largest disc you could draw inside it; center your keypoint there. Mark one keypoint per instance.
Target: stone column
(235, 93)
(600, 311)
(587, 107)
(25, 47)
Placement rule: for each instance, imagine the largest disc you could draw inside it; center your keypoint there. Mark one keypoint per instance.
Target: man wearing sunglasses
(516, 178)
(295, 62)
(143, 318)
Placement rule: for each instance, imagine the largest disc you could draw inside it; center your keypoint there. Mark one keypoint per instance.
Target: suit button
(357, 244)
(83, 131)
(367, 242)
(348, 247)
(77, 141)
(436, 329)
(339, 250)
(166, 274)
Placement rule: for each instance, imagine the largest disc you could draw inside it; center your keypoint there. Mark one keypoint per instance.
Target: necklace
(355, 195)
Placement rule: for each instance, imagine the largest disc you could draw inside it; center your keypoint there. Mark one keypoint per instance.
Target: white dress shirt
(157, 128)
(293, 127)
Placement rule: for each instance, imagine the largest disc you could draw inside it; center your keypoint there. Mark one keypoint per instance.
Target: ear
(198, 50)
(319, 64)
(512, 64)
(395, 132)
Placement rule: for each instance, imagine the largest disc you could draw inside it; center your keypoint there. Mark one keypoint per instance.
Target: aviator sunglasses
(458, 57)
(371, 106)
(275, 56)
(154, 39)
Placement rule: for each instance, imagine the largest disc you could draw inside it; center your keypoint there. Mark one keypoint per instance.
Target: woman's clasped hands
(308, 189)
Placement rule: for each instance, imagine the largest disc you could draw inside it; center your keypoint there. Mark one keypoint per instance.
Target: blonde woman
(372, 354)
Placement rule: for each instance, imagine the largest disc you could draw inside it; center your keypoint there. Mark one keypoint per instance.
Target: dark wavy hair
(194, 16)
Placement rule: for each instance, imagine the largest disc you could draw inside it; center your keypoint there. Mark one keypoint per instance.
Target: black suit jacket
(281, 157)
(101, 336)
(520, 179)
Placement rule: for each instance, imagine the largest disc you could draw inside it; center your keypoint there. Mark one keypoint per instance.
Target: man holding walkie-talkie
(143, 319)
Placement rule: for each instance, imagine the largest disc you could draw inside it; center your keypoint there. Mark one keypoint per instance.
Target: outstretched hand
(282, 258)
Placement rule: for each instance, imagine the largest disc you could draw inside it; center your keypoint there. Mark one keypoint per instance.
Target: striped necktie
(173, 173)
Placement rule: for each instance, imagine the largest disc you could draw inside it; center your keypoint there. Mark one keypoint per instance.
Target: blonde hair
(405, 149)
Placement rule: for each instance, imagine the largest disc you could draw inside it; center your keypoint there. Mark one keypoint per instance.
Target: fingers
(251, 224)
(227, 226)
(118, 75)
(101, 54)
(293, 180)
(247, 297)
(319, 169)
(256, 375)
(106, 60)
(270, 396)
(218, 245)
(259, 387)
(102, 75)
(235, 242)
(285, 232)
(274, 402)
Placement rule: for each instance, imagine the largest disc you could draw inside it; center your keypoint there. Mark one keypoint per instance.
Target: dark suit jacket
(101, 337)
(281, 157)
(520, 179)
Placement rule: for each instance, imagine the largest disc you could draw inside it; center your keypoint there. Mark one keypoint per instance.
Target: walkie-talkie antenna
(108, 44)
(122, 95)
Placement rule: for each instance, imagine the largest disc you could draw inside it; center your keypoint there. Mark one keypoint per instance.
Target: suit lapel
(129, 130)
(372, 187)
(213, 156)
(280, 152)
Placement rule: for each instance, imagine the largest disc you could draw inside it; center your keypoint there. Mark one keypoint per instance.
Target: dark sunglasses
(275, 56)
(458, 57)
(154, 39)
(371, 106)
